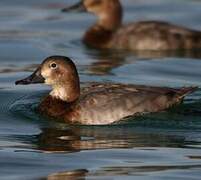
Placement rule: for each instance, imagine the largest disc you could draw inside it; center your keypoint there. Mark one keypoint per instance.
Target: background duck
(109, 33)
(98, 103)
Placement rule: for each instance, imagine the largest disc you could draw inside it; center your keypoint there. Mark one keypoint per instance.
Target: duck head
(109, 12)
(59, 72)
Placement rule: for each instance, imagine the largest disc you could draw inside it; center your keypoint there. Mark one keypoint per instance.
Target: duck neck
(112, 18)
(68, 92)
(100, 34)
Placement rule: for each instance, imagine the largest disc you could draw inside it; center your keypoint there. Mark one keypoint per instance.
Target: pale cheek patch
(45, 73)
(103, 16)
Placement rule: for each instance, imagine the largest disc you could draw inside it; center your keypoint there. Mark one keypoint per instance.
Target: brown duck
(98, 103)
(109, 33)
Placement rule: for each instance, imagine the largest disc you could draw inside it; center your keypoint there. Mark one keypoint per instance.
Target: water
(164, 145)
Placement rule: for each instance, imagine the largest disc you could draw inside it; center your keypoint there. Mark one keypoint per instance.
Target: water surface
(164, 145)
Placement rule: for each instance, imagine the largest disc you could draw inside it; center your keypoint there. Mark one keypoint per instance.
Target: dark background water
(164, 145)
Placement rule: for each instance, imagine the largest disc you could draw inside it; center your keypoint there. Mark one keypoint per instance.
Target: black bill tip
(34, 78)
(21, 82)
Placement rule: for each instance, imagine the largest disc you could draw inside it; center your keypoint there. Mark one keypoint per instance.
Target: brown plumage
(98, 103)
(108, 32)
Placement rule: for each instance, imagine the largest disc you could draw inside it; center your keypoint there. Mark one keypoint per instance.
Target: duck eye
(53, 66)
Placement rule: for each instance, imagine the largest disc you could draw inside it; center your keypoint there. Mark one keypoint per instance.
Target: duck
(96, 103)
(109, 33)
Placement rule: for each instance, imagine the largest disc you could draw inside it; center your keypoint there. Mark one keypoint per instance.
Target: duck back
(154, 35)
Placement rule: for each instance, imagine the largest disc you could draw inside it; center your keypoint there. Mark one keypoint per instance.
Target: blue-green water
(164, 145)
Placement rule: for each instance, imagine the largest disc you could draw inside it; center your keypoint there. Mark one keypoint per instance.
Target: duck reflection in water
(105, 61)
(78, 174)
(73, 139)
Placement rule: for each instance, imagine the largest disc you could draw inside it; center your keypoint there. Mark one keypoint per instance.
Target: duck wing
(108, 103)
(155, 35)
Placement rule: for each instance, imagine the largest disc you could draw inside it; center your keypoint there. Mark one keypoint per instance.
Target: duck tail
(185, 90)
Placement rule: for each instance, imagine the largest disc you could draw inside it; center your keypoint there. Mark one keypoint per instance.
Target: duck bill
(34, 78)
(78, 7)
